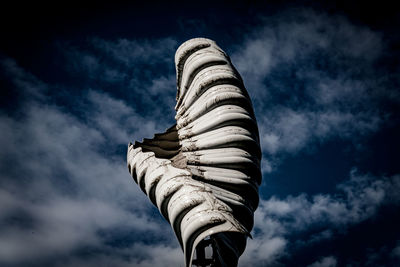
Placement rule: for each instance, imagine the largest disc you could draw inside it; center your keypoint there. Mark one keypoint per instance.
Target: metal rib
(203, 173)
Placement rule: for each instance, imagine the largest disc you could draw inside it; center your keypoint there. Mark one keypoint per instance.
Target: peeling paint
(203, 173)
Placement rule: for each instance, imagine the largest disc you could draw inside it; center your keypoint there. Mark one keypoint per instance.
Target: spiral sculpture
(203, 173)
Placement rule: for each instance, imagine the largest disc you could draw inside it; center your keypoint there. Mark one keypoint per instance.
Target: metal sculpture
(203, 173)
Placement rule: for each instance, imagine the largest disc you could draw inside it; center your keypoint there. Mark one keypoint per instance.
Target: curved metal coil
(203, 173)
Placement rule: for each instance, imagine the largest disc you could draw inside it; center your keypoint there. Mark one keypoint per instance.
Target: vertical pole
(201, 255)
(201, 259)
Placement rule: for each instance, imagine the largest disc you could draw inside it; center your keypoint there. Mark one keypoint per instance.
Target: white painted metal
(203, 173)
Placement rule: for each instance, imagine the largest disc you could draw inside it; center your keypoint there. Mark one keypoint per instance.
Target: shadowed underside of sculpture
(203, 173)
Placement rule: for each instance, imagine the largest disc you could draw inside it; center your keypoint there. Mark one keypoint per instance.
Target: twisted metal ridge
(203, 173)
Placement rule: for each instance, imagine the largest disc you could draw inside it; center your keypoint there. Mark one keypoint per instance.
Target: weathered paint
(203, 173)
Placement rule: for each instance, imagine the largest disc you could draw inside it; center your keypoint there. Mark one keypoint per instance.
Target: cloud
(25, 85)
(65, 187)
(296, 35)
(312, 78)
(150, 255)
(116, 120)
(66, 198)
(280, 222)
(360, 198)
(264, 252)
(141, 72)
(61, 225)
(132, 52)
(396, 251)
(325, 262)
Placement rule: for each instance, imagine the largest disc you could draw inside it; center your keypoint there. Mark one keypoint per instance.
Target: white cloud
(61, 189)
(141, 70)
(63, 224)
(150, 255)
(312, 78)
(33, 88)
(325, 262)
(396, 251)
(63, 185)
(131, 52)
(360, 197)
(295, 34)
(276, 220)
(263, 252)
(284, 130)
(117, 121)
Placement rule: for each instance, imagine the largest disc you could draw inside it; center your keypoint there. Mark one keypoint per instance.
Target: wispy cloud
(396, 251)
(116, 120)
(66, 197)
(132, 52)
(313, 77)
(142, 71)
(62, 188)
(278, 222)
(325, 262)
(138, 255)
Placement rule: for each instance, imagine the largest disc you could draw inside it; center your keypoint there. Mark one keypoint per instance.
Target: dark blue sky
(80, 81)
